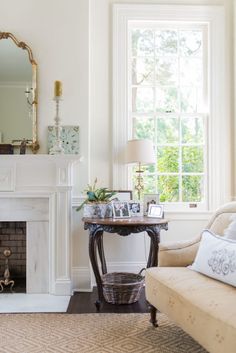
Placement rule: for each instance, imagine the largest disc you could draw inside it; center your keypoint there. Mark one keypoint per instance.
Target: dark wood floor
(82, 302)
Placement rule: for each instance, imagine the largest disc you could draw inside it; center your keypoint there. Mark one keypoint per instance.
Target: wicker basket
(122, 287)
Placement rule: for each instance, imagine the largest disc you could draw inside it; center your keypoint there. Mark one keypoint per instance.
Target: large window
(170, 85)
(168, 72)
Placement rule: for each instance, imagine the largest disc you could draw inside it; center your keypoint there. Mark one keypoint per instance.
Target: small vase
(98, 210)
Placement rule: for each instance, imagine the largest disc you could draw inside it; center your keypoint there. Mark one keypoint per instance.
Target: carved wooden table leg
(94, 234)
(154, 235)
(101, 252)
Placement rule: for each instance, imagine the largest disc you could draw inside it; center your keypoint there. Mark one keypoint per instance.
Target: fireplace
(13, 238)
(36, 190)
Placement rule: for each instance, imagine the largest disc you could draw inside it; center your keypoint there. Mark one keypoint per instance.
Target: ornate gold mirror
(18, 93)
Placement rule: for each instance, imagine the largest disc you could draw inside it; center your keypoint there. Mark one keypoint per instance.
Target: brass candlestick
(57, 147)
(7, 277)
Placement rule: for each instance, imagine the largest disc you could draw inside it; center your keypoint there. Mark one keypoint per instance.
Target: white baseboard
(83, 279)
(126, 266)
(61, 287)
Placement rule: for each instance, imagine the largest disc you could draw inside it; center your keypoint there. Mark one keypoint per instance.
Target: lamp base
(139, 184)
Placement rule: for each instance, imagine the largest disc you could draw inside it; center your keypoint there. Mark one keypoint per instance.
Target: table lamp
(140, 152)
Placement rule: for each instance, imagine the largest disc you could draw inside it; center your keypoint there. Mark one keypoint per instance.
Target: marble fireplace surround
(37, 189)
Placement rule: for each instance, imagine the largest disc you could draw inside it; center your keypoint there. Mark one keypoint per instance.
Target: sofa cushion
(203, 307)
(230, 231)
(216, 258)
(219, 222)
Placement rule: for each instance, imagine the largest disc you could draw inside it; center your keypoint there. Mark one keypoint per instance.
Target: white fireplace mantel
(37, 189)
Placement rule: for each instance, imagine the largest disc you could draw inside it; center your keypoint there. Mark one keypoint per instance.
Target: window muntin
(168, 104)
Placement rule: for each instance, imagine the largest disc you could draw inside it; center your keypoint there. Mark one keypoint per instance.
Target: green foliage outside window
(165, 103)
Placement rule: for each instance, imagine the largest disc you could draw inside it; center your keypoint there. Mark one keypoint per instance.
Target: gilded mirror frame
(34, 104)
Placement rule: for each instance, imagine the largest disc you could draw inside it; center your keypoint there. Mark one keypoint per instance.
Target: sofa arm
(178, 254)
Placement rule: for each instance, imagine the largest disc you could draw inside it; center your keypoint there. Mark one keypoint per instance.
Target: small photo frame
(120, 209)
(135, 208)
(155, 211)
(149, 199)
(122, 195)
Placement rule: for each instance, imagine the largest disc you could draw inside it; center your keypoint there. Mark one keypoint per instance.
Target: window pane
(192, 130)
(143, 99)
(190, 43)
(166, 99)
(192, 159)
(167, 130)
(143, 71)
(190, 71)
(168, 159)
(142, 42)
(188, 100)
(149, 184)
(192, 186)
(168, 188)
(166, 74)
(167, 71)
(143, 128)
(166, 42)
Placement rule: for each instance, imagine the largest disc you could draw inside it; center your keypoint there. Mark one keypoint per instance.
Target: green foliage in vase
(96, 195)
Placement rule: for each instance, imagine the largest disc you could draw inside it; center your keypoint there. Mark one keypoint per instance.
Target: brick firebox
(13, 237)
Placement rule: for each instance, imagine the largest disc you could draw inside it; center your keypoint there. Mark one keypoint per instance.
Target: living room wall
(57, 32)
(182, 226)
(72, 42)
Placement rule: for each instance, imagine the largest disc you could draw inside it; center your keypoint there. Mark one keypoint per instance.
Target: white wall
(181, 227)
(57, 32)
(72, 42)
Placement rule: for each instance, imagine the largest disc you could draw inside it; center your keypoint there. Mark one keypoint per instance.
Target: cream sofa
(203, 307)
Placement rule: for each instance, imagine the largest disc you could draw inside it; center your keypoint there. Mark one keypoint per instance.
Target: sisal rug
(92, 333)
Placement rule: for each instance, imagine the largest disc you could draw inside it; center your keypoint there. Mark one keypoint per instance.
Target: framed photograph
(135, 208)
(120, 209)
(122, 195)
(149, 199)
(155, 211)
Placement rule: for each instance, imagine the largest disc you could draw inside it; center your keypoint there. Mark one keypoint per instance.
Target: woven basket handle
(143, 269)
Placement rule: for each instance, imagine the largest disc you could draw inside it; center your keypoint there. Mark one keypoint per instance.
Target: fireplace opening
(13, 256)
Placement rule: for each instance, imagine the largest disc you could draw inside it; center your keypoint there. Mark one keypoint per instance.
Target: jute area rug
(92, 333)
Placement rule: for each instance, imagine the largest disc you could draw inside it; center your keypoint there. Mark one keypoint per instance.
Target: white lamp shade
(140, 151)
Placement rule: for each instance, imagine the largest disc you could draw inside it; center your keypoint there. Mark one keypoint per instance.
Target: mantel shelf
(40, 158)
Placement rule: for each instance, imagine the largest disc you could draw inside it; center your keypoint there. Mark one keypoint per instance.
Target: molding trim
(77, 200)
(126, 266)
(62, 287)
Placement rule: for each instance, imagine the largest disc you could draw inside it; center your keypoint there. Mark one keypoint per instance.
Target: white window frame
(219, 159)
